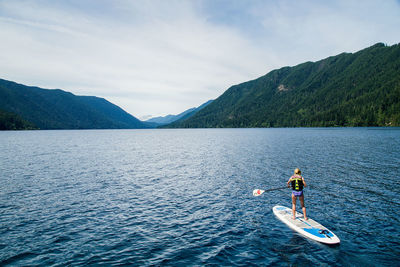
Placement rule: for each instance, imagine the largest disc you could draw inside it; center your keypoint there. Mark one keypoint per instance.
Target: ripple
(22, 258)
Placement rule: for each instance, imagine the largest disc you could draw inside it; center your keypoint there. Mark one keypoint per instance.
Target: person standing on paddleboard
(297, 182)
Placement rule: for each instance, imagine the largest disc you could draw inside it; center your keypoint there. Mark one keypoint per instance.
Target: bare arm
(304, 182)
(288, 182)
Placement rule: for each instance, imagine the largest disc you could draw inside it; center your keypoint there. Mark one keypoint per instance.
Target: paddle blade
(257, 192)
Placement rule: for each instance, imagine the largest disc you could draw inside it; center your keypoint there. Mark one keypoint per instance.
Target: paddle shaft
(259, 192)
(273, 189)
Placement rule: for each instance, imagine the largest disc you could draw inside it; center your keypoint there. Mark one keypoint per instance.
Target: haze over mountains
(359, 89)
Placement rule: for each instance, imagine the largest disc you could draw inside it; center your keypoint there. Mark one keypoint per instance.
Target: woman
(297, 182)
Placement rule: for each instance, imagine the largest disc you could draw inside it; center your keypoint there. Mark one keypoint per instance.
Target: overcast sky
(163, 57)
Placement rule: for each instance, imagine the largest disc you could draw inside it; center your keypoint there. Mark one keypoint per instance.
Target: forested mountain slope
(360, 89)
(57, 109)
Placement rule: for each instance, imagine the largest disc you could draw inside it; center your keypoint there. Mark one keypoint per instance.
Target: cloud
(311, 30)
(160, 57)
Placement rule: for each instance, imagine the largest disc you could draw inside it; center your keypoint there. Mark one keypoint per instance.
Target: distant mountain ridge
(169, 118)
(184, 115)
(58, 109)
(350, 89)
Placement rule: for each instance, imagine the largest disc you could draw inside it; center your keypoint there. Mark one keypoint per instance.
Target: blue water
(184, 197)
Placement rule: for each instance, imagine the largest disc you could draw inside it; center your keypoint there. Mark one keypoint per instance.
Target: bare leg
(303, 207)
(294, 207)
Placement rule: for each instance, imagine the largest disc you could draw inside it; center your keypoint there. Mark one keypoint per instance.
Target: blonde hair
(297, 171)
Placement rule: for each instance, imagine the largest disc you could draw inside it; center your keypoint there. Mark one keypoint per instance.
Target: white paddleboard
(308, 228)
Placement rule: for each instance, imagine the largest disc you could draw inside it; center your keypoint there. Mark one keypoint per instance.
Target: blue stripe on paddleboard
(315, 231)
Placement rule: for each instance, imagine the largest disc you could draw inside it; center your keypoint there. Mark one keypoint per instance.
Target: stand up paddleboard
(308, 228)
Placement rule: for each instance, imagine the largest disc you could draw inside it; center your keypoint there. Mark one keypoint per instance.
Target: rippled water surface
(184, 197)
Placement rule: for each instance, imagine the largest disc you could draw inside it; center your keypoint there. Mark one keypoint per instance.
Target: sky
(159, 57)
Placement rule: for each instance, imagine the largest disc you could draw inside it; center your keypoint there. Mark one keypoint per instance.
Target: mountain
(57, 109)
(187, 115)
(184, 115)
(360, 89)
(169, 118)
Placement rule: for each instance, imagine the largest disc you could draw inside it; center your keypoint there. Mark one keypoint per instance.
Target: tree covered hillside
(10, 121)
(360, 89)
(57, 109)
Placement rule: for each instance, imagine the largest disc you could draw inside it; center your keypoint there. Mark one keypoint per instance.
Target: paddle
(258, 192)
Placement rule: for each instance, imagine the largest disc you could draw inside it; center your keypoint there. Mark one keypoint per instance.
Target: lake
(184, 197)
